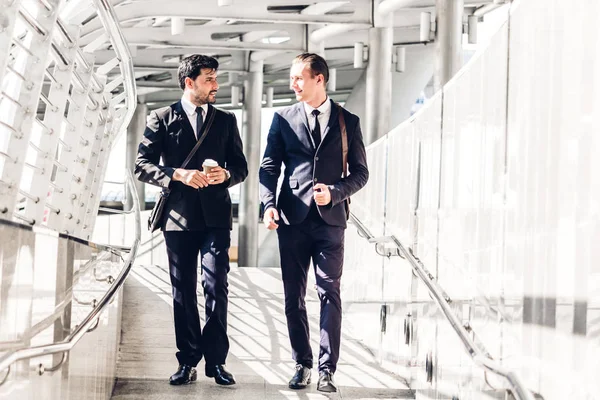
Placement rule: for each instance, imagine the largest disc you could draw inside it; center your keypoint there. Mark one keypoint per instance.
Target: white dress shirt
(325, 113)
(190, 110)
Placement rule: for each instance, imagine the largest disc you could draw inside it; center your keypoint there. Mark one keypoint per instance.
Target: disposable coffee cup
(208, 165)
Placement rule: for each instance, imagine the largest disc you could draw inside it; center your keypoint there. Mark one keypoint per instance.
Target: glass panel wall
(50, 284)
(494, 187)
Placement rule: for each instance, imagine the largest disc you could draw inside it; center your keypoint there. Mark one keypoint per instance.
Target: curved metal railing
(59, 308)
(91, 321)
(479, 356)
(111, 24)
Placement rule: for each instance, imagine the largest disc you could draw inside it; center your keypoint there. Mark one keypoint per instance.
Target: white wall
(495, 186)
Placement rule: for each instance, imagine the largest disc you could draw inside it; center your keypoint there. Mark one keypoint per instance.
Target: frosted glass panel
(49, 285)
(368, 204)
(500, 201)
(552, 219)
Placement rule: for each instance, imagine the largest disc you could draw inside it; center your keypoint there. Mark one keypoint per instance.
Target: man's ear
(321, 79)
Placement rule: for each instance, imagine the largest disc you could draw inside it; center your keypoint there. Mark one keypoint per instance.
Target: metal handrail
(88, 323)
(479, 357)
(60, 307)
(111, 24)
(113, 211)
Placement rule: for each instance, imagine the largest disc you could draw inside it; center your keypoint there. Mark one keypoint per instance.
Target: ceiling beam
(247, 11)
(204, 36)
(151, 58)
(332, 30)
(321, 8)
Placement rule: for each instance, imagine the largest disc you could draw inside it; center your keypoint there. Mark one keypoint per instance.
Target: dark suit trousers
(183, 248)
(324, 244)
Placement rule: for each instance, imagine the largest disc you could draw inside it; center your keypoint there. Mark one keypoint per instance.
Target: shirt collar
(323, 108)
(190, 109)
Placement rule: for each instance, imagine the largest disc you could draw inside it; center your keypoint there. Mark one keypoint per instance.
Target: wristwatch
(227, 175)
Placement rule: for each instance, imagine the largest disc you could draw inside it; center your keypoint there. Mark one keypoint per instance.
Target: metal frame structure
(273, 31)
(92, 319)
(59, 111)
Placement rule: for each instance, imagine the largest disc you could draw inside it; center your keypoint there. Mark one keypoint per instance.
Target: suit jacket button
(316, 158)
(315, 180)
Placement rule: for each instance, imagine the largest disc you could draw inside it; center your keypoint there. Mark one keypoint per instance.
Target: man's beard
(205, 99)
(211, 100)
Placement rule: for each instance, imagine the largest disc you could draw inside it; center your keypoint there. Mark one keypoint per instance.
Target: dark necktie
(199, 121)
(316, 132)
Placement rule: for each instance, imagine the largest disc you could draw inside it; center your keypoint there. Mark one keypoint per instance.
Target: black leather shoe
(184, 375)
(301, 378)
(221, 375)
(325, 383)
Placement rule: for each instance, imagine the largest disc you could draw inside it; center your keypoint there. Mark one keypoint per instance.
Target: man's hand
(216, 176)
(321, 194)
(191, 177)
(271, 215)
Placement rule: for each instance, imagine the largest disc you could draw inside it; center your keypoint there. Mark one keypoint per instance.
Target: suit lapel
(305, 134)
(185, 122)
(211, 110)
(333, 121)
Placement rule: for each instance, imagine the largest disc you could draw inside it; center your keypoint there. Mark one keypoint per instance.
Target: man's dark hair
(191, 67)
(317, 64)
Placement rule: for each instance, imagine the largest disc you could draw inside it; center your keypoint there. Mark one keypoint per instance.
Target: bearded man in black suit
(197, 216)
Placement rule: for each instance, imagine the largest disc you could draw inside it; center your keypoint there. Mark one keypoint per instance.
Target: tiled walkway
(260, 357)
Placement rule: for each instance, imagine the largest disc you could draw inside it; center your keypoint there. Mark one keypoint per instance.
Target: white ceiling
(272, 30)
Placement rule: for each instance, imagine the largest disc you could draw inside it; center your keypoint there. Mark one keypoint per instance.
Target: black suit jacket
(289, 142)
(169, 135)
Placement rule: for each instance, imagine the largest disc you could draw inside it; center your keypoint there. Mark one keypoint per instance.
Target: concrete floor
(260, 356)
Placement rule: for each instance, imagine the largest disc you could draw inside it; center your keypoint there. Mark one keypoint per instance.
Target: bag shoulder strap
(205, 129)
(344, 140)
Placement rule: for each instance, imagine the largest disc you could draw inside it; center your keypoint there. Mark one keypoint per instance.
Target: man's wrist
(177, 174)
(227, 175)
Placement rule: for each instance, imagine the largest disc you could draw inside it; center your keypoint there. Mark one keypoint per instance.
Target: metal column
(135, 133)
(379, 84)
(249, 204)
(448, 40)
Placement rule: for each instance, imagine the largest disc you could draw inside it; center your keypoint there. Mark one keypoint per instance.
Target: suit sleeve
(235, 161)
(358, 172)
(270, 167)
(147, 165)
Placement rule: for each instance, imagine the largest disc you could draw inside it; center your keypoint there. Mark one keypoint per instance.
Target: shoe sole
(224, 384)
(296, 387)
(211, 375)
